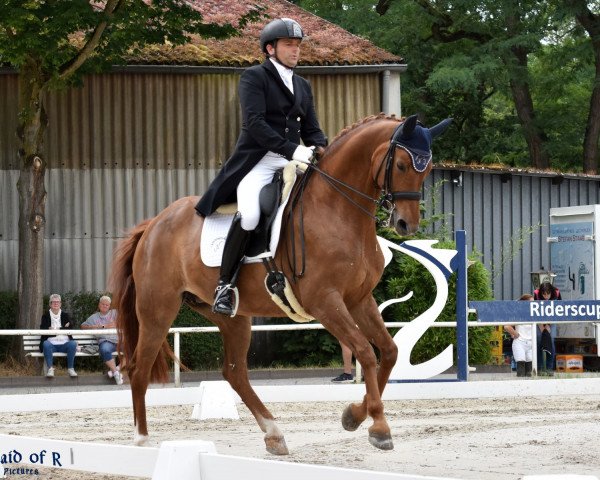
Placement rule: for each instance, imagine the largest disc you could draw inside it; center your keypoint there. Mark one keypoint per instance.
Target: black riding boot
(235, 245)
(528, 368)
(521, 369)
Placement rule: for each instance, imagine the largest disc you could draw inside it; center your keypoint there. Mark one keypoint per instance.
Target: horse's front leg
(371, 324)
(341, 323)
(236, 333)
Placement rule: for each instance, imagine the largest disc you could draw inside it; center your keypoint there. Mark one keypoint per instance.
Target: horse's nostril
(402, 227)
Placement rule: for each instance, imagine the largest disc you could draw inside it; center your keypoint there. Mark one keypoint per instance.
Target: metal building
(506, 215)
(126, 145)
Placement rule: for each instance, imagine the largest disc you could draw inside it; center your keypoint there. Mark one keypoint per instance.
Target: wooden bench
(31, 346)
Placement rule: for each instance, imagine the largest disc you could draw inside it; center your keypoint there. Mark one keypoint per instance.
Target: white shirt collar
(285, 74)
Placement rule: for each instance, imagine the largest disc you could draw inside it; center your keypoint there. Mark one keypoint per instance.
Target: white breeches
(521, 350)
(249, 188)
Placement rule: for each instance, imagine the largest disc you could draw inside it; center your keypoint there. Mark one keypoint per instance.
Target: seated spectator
(56, 319)
(107, 344)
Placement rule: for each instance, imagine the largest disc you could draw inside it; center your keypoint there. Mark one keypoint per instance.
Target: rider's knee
(249, 221)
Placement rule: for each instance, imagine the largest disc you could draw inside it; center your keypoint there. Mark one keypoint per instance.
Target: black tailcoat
(273, 119)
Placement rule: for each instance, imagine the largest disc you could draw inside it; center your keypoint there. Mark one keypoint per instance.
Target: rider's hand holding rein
(303, 154)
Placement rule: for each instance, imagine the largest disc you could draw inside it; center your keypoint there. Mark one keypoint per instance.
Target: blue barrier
(540, 311)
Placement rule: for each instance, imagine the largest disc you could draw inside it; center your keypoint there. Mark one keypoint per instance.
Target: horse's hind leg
(371, 325)
(155, 317)
(236, 333)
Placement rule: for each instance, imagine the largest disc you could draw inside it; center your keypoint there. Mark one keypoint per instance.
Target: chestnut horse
(379, 160)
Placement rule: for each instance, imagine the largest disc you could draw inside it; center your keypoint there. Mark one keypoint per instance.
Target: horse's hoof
(383, 442)
(276, 445)
(348, 421)
(140, 440)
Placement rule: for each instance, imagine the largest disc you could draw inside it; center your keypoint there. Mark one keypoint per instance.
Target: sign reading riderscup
(538, 311)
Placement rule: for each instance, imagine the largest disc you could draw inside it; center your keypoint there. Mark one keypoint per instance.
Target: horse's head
(403, 169)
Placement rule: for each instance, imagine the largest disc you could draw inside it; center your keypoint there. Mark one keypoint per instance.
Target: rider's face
(286, 51)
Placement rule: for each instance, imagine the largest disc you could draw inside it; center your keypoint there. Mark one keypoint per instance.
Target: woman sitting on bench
(56, 319)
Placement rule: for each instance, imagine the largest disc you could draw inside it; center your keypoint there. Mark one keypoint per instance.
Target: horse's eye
(401, 166)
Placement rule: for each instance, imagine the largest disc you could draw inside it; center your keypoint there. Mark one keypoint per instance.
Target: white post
(176, 368)
(534, 368)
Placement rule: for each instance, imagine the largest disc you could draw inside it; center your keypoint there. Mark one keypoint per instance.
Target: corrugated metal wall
(123, 147)
(506, 218)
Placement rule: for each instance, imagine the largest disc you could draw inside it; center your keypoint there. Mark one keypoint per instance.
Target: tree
(52, 45)
(521, 79)
(510, 31)
(580, 10)
(451, 72)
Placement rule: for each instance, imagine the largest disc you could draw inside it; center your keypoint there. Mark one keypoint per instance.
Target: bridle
(385, 201)
(404, 137)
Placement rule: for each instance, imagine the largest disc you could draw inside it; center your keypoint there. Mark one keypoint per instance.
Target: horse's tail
(122, 286)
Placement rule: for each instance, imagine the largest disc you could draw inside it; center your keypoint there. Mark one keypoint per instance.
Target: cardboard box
(569, 363)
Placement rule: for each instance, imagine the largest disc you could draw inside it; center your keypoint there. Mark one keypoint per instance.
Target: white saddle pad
(216, 226)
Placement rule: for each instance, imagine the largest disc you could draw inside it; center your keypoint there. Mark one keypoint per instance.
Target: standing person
(521, 344)
(346, 375)
(277, 113)
(56, 319)
(107, 344)
(547, 291)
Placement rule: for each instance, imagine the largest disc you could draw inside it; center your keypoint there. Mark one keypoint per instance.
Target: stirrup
(224, 303)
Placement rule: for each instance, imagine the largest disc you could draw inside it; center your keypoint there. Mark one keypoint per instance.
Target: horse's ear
(408, 127)
(440, 127)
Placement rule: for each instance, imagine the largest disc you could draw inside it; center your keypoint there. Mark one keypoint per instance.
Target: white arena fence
(195, 459)
(174, 460)
(178, 331)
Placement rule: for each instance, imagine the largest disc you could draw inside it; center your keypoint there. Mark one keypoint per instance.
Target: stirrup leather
(227, 300)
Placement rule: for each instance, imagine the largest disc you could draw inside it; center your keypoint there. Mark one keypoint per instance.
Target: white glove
(303, 154)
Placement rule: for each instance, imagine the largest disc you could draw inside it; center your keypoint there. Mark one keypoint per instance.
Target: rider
(277, 111)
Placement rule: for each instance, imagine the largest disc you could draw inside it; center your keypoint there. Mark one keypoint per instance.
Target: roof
(508, 171)
(327, 44)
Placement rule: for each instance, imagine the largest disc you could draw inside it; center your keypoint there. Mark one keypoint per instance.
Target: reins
(385, 201)
(334, 182)
(297, 197)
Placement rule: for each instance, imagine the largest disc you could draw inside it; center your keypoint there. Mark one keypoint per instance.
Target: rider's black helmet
(280, 28)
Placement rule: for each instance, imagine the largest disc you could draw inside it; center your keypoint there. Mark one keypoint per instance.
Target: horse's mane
(371, 118)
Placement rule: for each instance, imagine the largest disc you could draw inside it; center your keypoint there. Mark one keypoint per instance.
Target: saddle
(273, 199)
(269, 200)
(264, 240)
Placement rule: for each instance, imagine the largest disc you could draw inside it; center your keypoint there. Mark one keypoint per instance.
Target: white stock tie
(287, 79)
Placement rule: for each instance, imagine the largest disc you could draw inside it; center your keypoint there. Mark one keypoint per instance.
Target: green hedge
(404, 274)
(9, 307)
(202, 351)
(303, 348)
